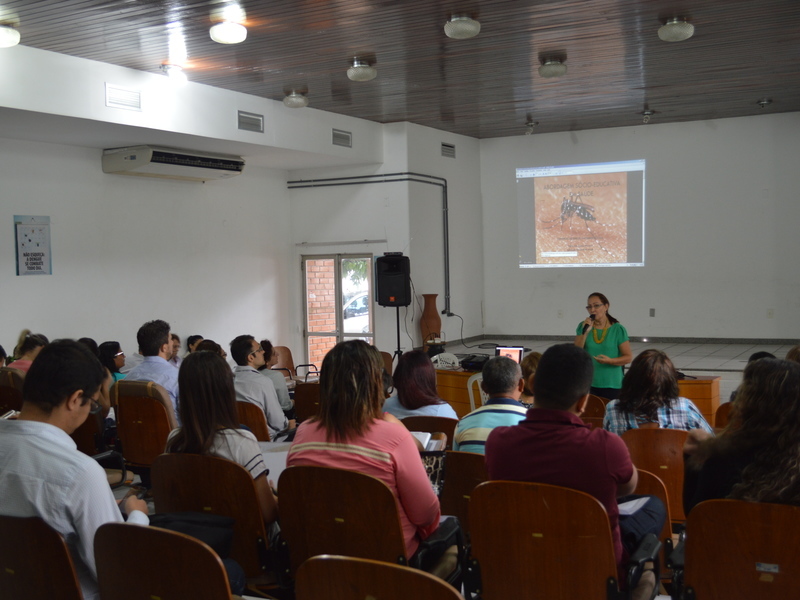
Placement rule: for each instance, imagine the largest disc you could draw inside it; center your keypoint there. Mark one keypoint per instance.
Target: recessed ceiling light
(8, 36)
(361, 71)
(553, 67)
(174, 72)
(676, 29)
(462, 27)
(228, 33)
(295, 100)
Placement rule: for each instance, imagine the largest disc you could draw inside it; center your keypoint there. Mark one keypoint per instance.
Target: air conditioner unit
(170, 163)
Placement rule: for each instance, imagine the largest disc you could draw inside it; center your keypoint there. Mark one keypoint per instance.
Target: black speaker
(393, 278)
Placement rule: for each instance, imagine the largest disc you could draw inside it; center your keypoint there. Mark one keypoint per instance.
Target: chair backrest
(476, 391)
(333, 511)
(550, 541)
(595, 412)
(190, 482)
(737, 549)
(346, 578)
(253, 416)
(11, 381)
(431, 424)
(660, 451)
(306, 400)
(723, 415)
(283, 357)
(605, 401)
(650, 485)
(135, 562)
(387, 362)
(87, 435)
(29, 549)
(463, 472)
(145, 417)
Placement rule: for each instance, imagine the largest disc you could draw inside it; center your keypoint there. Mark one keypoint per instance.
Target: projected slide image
(581, 219)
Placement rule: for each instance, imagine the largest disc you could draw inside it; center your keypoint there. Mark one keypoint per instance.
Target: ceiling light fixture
(676, 29)
(295, 100)
(8, 36)
(646, 114)
(531, 125)
(462, 27)
(228, 32)
(764, 102)
(553, 67)
(361, 71)
(174, 72)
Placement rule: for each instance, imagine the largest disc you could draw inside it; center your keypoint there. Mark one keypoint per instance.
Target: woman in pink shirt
(28, 347)
(351, 433)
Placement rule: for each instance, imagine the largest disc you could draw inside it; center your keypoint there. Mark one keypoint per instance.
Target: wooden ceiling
(488, 86)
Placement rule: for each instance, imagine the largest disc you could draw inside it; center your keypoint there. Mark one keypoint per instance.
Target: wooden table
(704, 392)
(452, 387)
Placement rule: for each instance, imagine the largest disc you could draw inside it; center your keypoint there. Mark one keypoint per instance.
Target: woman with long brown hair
(210, 424)
(415, 382)
(350, 432)
(650, 394)
(606, 341)
(757, 457)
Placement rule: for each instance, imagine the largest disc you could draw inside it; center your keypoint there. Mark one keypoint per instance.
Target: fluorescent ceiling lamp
(228, 33)
(8, 36)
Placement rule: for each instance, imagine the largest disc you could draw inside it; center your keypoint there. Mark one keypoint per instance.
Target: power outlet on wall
(652, 312)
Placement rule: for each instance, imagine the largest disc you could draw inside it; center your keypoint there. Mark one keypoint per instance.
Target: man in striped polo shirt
(502, 381)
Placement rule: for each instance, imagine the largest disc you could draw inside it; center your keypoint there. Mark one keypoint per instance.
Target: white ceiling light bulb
(553, 67)
(228, 32)
(462, 27)
(361, 71)
(8, 36)
(175, 73)
(676, 29)
(295, 100)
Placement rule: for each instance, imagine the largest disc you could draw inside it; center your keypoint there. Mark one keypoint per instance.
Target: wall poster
(32, 236)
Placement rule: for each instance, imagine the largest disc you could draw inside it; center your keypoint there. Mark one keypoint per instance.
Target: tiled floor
(726, 360)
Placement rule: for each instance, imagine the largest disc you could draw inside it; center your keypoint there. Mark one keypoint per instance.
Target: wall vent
(342, 138)
(117, 97)
(251, 122)
(448, 150)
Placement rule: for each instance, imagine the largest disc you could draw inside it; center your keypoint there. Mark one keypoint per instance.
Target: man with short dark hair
(175, 349)
(41, 471)
(155, 346)
(503, 383)
(251, 386)
(552, 445)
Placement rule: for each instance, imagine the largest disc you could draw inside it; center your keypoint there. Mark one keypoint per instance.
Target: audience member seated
(191, 343)
(175, 345)
(251, 386)
(528, 365)
(650, 394)
(753, 356)
(154, 344)
(502, 382)
(793, 354)
(553, 446)
(42, 474)
(210, 425)
(3, 357)
(210, 346)
(131, 362)
(415, 389)
(28, 347)
(90, 344)
(112, 358)
(351, 433)
(278, 378)
(755, 457)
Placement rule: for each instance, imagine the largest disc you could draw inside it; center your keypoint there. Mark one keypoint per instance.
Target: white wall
(209, 258)
(721, 232)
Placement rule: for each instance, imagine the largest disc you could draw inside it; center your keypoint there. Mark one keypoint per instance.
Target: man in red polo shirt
(552, 445)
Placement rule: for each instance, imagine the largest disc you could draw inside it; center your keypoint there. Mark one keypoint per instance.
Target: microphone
(587, 325)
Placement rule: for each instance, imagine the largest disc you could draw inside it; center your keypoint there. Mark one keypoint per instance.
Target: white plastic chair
(478, 377)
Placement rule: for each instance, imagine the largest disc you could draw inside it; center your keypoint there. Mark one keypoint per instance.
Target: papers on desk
(631, 506)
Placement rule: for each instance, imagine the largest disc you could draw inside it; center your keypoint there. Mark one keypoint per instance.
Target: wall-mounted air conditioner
(170, 163)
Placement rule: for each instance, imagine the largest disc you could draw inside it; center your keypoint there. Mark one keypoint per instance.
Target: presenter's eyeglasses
(595, 306)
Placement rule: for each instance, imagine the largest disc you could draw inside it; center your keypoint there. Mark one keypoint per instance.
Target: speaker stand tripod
(398, 353)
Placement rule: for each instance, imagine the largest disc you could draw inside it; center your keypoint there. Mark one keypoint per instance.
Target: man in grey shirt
(251, 386)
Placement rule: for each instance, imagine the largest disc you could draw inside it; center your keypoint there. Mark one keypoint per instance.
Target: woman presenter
(606, 340)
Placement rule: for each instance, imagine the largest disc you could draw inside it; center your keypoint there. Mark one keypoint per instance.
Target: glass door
(338, 292)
